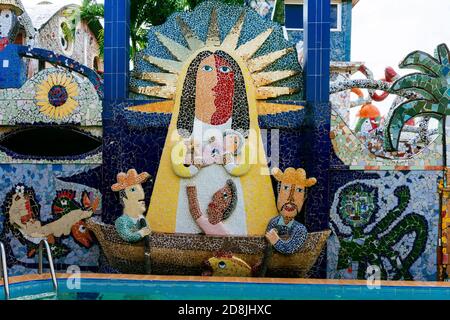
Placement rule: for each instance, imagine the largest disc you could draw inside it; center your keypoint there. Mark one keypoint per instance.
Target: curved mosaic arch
(257, 45)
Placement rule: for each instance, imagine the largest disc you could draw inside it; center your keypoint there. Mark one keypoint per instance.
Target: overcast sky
(385, 31)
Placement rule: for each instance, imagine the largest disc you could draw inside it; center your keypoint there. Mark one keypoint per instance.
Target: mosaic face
(357, 205)
(290, 200)
(134, 202)
(7, 18)
(213, 92)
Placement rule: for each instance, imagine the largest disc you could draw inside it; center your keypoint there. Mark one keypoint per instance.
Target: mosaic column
(116, 56)
(316, 128)
(317, 122)
(444, 225)
(117, 48)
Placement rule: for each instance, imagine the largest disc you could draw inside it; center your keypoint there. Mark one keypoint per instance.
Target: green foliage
(279, 12)
(431, 85)
(191, 4)
(101, 42)
(69, 33)
(143, 14)
(91, 12)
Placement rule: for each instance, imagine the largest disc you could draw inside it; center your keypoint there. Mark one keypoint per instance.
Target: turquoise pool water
(106, 289)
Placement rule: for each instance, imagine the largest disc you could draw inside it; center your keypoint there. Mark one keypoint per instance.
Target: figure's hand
(232, 143)
(145, 232)
(87, 214)
(193, 154)
(228, 158)
(272, 236)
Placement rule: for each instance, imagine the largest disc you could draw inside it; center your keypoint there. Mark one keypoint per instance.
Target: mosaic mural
(236, 116)
(187, 167)
(387, 219)
(431, 84)
(368, 145)
(215, 82)
(37, 204)
(50, 131)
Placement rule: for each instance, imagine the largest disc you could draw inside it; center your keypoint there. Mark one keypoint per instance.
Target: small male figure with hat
(284, 233)
(131, 226)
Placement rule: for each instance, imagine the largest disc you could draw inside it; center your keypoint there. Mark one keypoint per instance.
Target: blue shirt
(128, 228)
(294, 230)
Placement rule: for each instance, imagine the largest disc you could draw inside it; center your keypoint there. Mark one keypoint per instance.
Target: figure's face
(219, 203)
(20, 211)
(6, 22)
(290, 200)
(135, 201)
(214, 90)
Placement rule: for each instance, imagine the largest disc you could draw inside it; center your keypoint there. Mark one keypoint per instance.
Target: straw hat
(292, 176)
(14, 5)
(125, 180)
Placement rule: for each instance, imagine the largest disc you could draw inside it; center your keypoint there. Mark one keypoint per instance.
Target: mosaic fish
(226, 265)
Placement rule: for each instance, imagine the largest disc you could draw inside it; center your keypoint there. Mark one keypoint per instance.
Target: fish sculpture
(227, 265)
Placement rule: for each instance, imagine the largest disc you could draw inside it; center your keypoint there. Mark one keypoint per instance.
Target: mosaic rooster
(64, 203)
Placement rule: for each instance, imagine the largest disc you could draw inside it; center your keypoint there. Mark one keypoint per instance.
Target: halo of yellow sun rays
(56, 94)
(166, 82)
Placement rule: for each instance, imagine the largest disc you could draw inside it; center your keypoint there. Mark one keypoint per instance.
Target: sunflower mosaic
(56, 94)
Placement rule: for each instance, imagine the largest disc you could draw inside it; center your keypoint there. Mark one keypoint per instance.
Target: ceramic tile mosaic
(52, 97)
(356, 153)
(245, 49)
(387, 219)
(432, 84)
(73, 100)
(374, 149)
(340, 39)
(39, 118)
(372, 200)
(46, 192)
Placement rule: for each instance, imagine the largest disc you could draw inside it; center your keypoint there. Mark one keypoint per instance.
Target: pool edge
(131, 277)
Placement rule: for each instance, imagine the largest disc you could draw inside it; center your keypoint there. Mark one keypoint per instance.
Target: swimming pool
(129, 287)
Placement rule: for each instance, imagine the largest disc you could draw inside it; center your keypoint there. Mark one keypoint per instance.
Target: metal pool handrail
(50, 262)
(4, 270)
